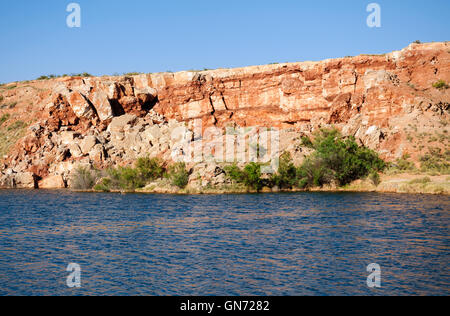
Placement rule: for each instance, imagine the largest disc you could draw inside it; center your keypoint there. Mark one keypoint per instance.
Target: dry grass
(404, 183)
(10, 134)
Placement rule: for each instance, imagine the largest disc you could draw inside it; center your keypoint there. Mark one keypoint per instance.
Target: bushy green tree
(250, 176)
(125, 178)
(178, 175)
(286, 177)
(83, 178)
(314, 172)
(129, 178)
(337, 158)
(149, 169)
(234, 173)
(374, 177)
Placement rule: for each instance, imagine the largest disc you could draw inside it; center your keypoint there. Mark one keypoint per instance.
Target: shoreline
(233, 192)
(393, 184)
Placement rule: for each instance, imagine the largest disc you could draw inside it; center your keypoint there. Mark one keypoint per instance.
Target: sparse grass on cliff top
(133, 73)
(46, 77)
(9, 135)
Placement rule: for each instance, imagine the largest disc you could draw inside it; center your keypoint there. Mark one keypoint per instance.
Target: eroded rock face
(114, 120)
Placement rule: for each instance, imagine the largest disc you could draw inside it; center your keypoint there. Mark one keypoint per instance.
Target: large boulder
(99, 99)
(25, 180)
(80, 105)
(66, 137)
(52, 182)
(88, 143)
(75, 151)
(120, 123)
(97, 154)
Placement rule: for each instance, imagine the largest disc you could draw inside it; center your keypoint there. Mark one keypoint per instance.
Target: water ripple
(273, 244)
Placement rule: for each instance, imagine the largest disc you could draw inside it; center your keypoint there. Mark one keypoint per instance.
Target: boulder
(118, 124)
(153, 133)
(66, 137)
(88, 143)
(75, 151)
(97, 154)
(52, 182)
(81, 106)
(25, 180)
(99, 99)
(145, 95)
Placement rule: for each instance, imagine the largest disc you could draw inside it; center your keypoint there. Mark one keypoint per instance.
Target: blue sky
(153, 36)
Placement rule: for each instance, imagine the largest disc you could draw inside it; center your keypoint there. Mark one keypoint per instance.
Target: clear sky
(154, 36)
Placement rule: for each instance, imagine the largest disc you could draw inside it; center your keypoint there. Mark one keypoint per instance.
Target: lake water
(269, 244)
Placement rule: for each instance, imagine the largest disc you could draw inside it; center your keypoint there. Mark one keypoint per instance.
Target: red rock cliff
(376, 98)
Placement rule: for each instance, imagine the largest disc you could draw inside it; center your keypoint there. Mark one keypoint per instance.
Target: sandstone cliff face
(381, 100)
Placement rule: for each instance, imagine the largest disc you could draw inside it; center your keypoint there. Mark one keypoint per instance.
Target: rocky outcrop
(105, 121)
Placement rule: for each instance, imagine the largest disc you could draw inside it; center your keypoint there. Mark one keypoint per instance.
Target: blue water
(272, 244)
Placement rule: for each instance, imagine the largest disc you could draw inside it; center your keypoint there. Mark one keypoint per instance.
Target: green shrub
(250, 176)
(286, 177)
(1, 98)
(441, 84)
(125, 178)
(104, 185)
(306, 142)
(234, 173)
(4, 118)
(84, 178)
(178, 175)
(435, 161)
(129, 178)
(374, 177)
(84, 74)
(403, 164)
(338, 158)
(314, 173)
(149, 169)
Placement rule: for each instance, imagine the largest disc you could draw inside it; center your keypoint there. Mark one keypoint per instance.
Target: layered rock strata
(107, 121)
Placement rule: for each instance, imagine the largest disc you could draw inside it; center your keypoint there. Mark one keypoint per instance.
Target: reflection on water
(285, 244)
